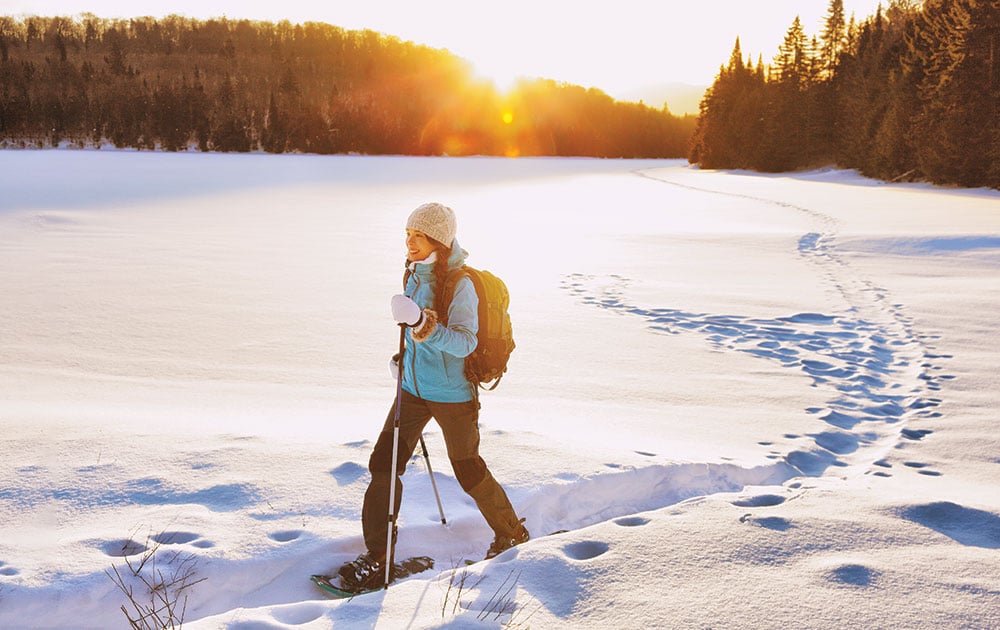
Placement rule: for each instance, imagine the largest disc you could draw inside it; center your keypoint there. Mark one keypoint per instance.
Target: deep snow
(752, 401)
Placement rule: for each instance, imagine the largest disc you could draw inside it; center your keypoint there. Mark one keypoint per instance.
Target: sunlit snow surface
(750, 401)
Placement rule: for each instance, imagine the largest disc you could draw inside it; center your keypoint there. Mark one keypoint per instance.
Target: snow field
(751, 401)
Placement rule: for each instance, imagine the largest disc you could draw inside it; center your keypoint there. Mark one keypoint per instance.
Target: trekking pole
(434, 485)
(395, 456)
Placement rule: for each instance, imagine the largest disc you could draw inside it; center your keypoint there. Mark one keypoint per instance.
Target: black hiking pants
(459, 424)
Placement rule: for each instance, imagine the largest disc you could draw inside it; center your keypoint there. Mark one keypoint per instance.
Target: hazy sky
(614, 45)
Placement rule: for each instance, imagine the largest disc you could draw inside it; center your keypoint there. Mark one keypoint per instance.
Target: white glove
(406, 311)
(394, 367)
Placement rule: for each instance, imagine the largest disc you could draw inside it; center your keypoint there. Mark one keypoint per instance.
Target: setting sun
(625, 53)
(508, 117)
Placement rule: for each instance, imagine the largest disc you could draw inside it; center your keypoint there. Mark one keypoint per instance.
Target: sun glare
(508, 117)
(499, 72)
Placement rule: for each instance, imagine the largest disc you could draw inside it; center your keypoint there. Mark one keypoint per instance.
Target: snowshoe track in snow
(881, 373)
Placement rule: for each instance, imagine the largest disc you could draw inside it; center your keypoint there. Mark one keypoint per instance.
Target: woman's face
(418, 246)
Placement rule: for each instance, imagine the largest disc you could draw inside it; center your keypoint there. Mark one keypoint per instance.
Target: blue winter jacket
(434, 369)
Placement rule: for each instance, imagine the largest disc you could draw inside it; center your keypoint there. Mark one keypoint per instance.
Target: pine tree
(955, 44)
(833, 37)
(790, 115)
(791, 64)
(736, 58)
(733, 125)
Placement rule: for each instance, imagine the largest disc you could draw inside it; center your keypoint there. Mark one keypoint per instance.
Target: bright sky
(615, 45)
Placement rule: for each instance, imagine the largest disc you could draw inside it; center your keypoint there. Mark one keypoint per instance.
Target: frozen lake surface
(752, 400)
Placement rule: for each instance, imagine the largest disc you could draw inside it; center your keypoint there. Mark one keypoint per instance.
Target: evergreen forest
(236, 85)
(911, 93)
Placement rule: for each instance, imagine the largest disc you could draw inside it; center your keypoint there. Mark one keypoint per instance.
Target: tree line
(911, 93)
(237, 85)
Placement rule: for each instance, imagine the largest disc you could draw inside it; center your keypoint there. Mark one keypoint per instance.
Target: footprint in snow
(853, 575)
(858, 356)
(631, 521)
(175, 538)
(776, 523)
(763, 500)
(585, 550)
(123, 548)
(285, 536)
(182, 538)
(915, 434)
(882, 463)
(298, 615)
(836, 442)
(7, 570)
(921, 468)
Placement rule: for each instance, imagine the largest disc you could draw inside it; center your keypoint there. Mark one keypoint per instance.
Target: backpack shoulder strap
(450, 283)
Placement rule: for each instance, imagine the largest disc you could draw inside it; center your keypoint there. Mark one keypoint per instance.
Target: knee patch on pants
(380, 460)
(470, 472)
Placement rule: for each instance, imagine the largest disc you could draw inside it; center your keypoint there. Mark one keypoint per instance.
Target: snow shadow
(876, 369)
(619, 496)
(968, 526)
(105, 178)
(348, 473)
(489, 595)
(102, 178)
(147, 491)
(219, 498)
(932, 246)
(850, 177)
(559, 600)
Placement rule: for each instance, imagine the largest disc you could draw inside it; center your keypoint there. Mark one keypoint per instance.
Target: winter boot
(503, 542)
(363, 573)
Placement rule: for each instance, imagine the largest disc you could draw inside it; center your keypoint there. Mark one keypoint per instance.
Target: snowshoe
(366, 575)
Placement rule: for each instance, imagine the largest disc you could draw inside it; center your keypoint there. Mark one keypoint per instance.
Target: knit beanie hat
(434, 220)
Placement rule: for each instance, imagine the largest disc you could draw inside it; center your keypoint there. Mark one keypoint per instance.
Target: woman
(434, 385)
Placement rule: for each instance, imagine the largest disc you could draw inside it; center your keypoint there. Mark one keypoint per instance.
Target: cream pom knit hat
(436, 221)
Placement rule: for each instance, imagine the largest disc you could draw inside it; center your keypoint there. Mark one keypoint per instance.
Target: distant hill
(681, 98)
